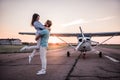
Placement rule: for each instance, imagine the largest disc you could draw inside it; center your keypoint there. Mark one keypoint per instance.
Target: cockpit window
(80, 40)
(88, 39)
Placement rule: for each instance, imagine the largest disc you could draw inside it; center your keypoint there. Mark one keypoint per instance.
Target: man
(44, 35)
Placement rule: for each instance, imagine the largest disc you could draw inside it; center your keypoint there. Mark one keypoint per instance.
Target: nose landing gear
(84, 55)
(100, 54)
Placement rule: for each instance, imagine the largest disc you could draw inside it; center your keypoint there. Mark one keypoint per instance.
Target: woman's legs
(29, 48)
(35, 48)
(32, 47)
(32, 55)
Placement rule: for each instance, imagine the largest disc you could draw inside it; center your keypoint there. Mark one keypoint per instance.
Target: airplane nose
(84, 47)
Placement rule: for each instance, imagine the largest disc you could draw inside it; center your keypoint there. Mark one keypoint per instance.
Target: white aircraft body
(84, 40)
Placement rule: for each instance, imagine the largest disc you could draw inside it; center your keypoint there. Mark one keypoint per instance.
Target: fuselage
(86, 45)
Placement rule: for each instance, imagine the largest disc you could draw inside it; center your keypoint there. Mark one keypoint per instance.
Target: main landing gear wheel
(68, 54)
(100, 54)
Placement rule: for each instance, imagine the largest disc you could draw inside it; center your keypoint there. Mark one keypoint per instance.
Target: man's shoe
(41, 72)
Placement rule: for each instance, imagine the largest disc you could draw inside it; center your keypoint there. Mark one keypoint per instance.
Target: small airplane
(84, 40)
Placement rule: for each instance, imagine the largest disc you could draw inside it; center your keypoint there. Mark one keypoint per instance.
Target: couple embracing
(42, 36)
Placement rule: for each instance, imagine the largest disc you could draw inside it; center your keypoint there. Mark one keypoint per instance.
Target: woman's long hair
(34, 18)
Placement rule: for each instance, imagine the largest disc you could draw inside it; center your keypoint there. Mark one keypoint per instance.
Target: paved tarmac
(60, 67)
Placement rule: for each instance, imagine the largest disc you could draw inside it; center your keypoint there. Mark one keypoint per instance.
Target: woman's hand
(37, 37)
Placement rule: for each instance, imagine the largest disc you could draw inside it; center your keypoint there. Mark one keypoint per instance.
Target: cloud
(80, 21)
(105, 18)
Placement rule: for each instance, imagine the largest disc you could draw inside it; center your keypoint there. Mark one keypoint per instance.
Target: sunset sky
(66, 15)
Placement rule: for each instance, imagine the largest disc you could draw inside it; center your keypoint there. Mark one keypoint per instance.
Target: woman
(38, 26)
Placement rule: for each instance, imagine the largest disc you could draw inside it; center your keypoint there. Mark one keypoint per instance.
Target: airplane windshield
(80, 40)
(88, 39)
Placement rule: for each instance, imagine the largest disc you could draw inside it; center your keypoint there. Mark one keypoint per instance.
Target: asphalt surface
(60, 67)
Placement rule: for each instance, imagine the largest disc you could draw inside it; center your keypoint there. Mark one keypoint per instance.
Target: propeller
(80, 43)
(83, 39)
(82, 32)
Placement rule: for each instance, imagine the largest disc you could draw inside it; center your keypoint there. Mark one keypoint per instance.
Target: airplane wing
(77, 34)
(27, 33)
(65, 34)
(86, 34)
(52, 34)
